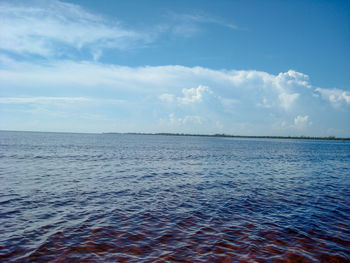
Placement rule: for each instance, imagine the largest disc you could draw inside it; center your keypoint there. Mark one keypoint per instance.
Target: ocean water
(143, 198)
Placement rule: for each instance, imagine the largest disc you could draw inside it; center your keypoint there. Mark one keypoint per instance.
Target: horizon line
(224, 135)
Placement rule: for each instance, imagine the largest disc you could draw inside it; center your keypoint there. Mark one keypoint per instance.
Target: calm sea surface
(140, 198)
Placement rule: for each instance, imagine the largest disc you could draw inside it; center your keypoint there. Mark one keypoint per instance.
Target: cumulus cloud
(337, 97)
(183, 85)
(292, 78)
(194, 95)
(287, 99)
(257, 84)
(227, 96)
(143, 94)
(62, 32)
(201, 97)
(301, 122)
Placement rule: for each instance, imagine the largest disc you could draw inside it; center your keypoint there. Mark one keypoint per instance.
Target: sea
(69, 197)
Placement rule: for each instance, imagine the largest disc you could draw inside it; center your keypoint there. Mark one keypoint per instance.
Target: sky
(204, 67)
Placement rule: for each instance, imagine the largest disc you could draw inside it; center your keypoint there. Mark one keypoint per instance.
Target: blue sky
(235, 67)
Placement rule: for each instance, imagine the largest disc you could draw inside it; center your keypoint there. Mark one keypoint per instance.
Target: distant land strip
(328, 138)
(333, 138)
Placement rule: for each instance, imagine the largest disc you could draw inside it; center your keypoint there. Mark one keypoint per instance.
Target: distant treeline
(243, 136)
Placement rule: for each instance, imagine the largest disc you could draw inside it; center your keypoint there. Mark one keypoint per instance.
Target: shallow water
(142, 198)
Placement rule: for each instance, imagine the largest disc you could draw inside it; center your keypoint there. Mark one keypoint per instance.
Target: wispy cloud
(52, 28)
(41, 100)
(56, 29)
(205, 18)
(58, 101)
(189, 24)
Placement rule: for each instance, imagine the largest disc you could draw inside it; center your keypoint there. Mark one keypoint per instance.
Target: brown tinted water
(128, 198)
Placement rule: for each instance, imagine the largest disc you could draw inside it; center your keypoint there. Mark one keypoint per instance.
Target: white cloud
(227, 96)
(188, 25)
(229, 104)
(186, 120)
(219, 125)
(228, 88)
(192, 119)
(301, 122)
(50, 28)
(201, 96)
(336, 96)
(287, 100)
(292, 78)
(185, 30)
(194, 95)
(41, 100)
(58, 101)
(53, 28)
(203, 18)
(264, 104)
(284, 124)
(166, 97)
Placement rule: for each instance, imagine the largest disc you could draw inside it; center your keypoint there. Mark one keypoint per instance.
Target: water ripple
(127, 198)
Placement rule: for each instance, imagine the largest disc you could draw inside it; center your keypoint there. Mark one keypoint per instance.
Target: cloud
(229, 104)
(184, 121)
(189, 24)
(185, 124)
(264, 104)
(336, 97)
(287, 99)
(201, 98)
(202, 18)
(51, 28)
(56, 29)
(167, 83)
(144, 95)
(41, 100)
(194, 95)
(166, 97)
(61, 102)
(192, 119)
(292, 78)
(52, 34)
(301, 122)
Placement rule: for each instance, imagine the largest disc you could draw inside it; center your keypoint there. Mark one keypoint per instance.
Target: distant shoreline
(329, 138)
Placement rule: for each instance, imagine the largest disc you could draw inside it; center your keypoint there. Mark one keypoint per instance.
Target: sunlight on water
(133, 198)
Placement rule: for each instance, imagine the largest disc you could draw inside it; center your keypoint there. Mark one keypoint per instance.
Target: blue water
(143, 198)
